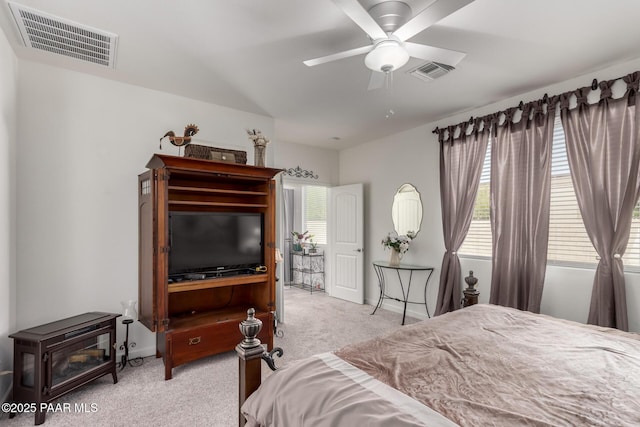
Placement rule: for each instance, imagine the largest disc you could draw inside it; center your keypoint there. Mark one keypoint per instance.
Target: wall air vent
(431, 71)
(63, 37)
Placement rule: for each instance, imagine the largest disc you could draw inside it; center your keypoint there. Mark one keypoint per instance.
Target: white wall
(83, 142)
(8, 129)
(322, 162)
(383, 166)
(413, 156)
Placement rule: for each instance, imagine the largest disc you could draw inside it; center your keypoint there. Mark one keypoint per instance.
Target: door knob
(358, 250)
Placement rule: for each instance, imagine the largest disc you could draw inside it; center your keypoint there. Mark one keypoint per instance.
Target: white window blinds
(568, 240)
(478, 240)
(315, 213)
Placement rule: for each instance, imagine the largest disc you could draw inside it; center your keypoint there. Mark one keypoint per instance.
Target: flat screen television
(203, 242)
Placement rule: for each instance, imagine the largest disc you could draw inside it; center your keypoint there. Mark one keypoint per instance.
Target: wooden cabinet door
(146, 289)
(161, 253)
(153, 249)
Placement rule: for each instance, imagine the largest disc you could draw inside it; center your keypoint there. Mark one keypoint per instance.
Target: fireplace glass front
(69, 362)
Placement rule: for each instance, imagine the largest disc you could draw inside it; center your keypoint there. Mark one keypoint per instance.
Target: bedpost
(250, 352)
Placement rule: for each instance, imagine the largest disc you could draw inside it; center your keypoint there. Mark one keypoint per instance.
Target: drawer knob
(194, 341)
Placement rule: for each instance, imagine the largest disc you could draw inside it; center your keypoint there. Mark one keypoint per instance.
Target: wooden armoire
(199, 316)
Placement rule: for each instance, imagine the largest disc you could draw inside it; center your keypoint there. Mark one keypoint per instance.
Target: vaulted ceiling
(248, 55)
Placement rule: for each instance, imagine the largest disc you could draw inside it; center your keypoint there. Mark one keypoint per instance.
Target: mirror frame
(396, 206)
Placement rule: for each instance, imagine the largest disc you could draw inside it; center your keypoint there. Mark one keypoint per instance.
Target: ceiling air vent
(63, 37)
(431, 71)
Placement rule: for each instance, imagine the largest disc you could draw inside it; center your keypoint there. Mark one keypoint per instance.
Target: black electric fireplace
(53, 359)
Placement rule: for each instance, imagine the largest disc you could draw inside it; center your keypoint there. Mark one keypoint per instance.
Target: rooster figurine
(181, 141)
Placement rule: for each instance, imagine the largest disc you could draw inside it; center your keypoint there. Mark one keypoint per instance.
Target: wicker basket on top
(206, 152)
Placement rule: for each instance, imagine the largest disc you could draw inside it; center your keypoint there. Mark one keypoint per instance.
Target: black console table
(380, 266)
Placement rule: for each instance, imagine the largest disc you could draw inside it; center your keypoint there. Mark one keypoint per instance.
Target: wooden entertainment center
(199, 317)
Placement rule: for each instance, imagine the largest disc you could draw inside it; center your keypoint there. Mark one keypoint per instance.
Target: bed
(482, 365)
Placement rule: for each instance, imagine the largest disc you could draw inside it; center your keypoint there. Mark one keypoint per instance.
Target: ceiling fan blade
(377, 80)
(429, 16)
(360, 16)
(436, 54)
(339, 55)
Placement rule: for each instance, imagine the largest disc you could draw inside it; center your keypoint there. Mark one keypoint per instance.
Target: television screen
(214, 241)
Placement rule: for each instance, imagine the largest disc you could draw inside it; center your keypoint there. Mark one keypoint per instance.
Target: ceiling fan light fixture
(387, 56)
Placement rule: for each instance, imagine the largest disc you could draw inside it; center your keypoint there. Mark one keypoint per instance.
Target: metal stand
(379, 266)
(125, 346)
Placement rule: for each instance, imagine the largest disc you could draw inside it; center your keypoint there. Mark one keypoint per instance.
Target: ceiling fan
(389, 25)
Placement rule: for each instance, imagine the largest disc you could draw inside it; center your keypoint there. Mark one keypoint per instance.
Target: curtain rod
(521, 106)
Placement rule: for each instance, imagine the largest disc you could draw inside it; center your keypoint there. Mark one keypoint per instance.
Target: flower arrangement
(300, 238)
(259, 146)
(257, 137)
(399, 243)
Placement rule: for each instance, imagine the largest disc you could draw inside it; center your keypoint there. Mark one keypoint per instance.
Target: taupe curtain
(460, 169)
(603, 147)
(520, 198)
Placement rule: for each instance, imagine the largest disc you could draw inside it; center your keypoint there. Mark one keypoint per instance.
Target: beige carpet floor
(205, 392)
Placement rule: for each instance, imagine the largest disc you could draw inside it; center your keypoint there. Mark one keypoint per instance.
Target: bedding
(482, 365)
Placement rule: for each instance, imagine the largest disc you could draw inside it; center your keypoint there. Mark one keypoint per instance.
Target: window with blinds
(568, 239)
(478, 240)
(569, 243)
(315, 213)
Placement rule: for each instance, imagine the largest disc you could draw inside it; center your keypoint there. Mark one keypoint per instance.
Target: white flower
(397, 242)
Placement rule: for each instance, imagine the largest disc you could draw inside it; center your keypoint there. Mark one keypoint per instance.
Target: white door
(346, 242)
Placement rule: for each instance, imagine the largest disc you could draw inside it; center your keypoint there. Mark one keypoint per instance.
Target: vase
(129, 310)
(395, 258)
(259, 155)
(259, 152)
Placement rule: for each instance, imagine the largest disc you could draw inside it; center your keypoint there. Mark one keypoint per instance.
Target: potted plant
(299, 239)
(399, 244)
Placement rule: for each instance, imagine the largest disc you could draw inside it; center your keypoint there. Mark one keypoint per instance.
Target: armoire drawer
(190, 344)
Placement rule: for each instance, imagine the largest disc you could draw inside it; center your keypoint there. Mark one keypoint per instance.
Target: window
(315, 212)
(478, 240)
(568, 240)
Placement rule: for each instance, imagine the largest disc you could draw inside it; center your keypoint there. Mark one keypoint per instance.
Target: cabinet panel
(146, 291)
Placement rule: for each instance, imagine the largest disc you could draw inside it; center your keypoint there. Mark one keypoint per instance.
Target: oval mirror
(407, 209)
